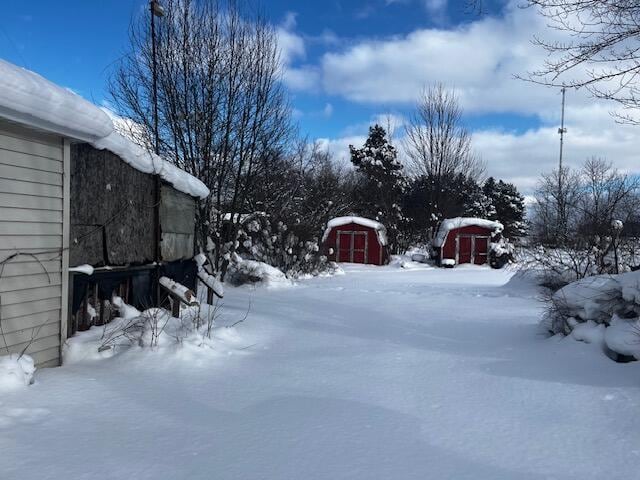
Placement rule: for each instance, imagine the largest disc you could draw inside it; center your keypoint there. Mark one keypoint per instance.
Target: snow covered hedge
(600, 308)
(272, 243)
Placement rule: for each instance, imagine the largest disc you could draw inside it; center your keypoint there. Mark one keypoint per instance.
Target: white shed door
(31, 216)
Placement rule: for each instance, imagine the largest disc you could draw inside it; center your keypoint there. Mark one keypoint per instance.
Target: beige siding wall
(31, 222)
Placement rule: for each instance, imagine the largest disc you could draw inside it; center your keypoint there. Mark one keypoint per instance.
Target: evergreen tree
(460, 196)
(489, 189)
(507, 206)
(382, 183)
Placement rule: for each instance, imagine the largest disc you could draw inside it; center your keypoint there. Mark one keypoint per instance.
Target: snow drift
(242, 271)
(594, 303)
(16, 371)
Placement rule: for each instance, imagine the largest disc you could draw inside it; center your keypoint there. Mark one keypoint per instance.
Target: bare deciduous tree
(557, 194)
(437, 143)
(222, 106)
(598, 201)
(438, 146)
(598, 44)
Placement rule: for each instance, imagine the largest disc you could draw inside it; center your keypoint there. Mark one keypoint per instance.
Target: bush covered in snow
(501, 253)
(273, 243)
(585, 308)
(16, 371)
(243, 271)
(153, 328)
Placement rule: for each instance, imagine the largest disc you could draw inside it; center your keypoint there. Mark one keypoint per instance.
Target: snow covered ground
(381, 373)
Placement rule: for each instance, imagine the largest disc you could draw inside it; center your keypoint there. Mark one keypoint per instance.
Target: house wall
(32, 286)
(376, 253)
(112, 210)
(113, 223)
(177, 224)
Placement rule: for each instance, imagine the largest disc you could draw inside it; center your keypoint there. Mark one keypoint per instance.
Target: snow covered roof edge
(460, 222)
(148, 162)
(31, 99)
(380, 229)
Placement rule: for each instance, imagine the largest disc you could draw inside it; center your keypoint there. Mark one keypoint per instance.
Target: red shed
(356, 240)
(465, 240)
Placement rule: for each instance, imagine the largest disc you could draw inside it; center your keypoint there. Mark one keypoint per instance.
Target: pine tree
(507, 206)
(379, 193)
(490, 192)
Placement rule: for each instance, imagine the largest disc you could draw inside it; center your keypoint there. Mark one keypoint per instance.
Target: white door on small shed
(31, 222)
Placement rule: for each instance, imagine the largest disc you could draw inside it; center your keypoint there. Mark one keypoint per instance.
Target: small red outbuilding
(356, 240)
(465, 240)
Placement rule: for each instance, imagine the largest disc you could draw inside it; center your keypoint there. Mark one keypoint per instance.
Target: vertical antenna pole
(561, 201)
(154, 79)
(562, 130)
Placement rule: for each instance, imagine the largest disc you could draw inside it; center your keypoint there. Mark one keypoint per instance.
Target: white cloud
(290, 21)
(304, 78)
(327, 111)
(590, 132)
(479, 59)
(339, 147)
(435, 5)
(291, 45)
(437, 9)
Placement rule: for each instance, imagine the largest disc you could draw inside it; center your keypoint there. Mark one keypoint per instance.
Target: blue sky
(349, 63)
(74, 43)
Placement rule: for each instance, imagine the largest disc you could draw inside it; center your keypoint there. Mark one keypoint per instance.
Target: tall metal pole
(156, 9)
(561, 203)
(155, 76)
(562, 130)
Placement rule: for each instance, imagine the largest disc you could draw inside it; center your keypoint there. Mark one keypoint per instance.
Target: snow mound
(195, 336)
(29, 98)
(460, 222)
(380, 229)
(623, 336)
(600, 297)
(589, 332)
(16, 371)
(602, 308)
(251, 271)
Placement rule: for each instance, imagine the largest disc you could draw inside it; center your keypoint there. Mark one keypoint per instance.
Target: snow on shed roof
(381, 231)
(459, 222)
(31, 99)
(148, 162)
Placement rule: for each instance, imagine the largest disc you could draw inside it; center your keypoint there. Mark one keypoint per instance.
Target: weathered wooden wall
(106, 190)
(177, 224)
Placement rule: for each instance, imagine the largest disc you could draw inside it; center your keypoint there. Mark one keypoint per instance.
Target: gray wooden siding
(31, 221)
(177, 224)
(107, 191)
